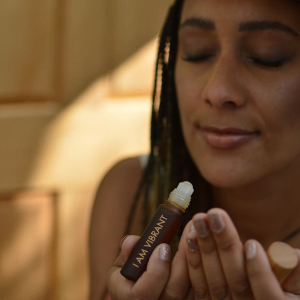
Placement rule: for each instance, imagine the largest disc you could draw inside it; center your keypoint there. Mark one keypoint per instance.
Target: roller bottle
(161, 229)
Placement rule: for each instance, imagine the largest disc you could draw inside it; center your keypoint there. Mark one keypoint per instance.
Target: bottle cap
(182, 194)
(283, 259)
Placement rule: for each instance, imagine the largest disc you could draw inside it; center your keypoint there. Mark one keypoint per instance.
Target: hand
(163, 279)
(220, 267)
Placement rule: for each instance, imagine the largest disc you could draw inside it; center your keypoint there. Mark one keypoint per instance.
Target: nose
(223, 87)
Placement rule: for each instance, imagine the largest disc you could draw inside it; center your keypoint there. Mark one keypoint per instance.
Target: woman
(228, 121)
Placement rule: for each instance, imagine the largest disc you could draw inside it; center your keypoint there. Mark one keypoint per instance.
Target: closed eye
(268, 63)
(197, 58)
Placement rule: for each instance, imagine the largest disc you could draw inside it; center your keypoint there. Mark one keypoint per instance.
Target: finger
(190, 295)
(292, 282)
(196, 272)
(127, 244)
(262, 280)
(231, 253)
(118, 286)
(179, 284)
(210, 261)
(153, 281)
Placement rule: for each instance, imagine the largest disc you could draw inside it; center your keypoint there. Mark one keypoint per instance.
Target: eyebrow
(199, 23)
(245, 26)
(265, 25)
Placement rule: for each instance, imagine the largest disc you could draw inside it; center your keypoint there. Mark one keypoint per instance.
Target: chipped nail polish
(201, 227)
(192, 245)
(250, 250)
(192, 228)
(216, 222)
(164, 252)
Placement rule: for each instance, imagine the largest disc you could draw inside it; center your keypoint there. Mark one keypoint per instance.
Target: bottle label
(150, 240)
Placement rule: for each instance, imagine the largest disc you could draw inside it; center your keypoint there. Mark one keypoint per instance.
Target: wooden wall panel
(136, 22)
(28, 263)
(29, 50)
(53, 49)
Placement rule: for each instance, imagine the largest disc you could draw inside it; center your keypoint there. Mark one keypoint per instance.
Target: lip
(227, 137)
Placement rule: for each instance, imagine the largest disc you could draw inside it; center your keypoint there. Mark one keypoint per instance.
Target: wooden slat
(30, 50)
(28, 262)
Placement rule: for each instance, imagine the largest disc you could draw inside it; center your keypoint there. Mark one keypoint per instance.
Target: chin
(223, 182)
(226, 178)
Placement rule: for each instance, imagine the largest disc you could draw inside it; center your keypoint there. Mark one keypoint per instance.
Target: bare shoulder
(112, 205)
(121, 181)
(117, 191)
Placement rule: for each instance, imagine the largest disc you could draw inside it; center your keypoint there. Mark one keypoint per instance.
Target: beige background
(75, 85)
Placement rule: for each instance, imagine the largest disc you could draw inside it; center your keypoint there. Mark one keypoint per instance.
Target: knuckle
(208, 248)
(161, 276)
(171, 294)
(240, 289)
(218, 292)
(257, 273)
(228, 246)
(201, 293)
(136, 294)
(195, 263)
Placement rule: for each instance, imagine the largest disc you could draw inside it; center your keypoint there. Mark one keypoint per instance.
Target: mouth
(226, 137)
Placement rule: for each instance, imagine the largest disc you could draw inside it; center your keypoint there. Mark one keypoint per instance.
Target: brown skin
(109, 216)
(229, 88)
(233, 87)
(254, 182)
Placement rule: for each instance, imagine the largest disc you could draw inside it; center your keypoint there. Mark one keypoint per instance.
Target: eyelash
(268, 63)
(256, 60)
(197, 58)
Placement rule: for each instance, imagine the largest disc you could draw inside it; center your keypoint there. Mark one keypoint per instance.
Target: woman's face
(238, 86)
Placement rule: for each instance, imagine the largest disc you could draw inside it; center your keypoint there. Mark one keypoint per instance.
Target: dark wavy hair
(169, 161)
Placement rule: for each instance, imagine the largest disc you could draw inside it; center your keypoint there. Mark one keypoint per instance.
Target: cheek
(276, 108)
(188, 91)
(283, 108)
(189, 102)
(291, 105)
(185, 104)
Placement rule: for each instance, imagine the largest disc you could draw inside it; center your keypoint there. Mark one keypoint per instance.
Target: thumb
(292, 283)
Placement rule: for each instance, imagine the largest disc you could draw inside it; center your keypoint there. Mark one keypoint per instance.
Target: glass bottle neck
(176, 205)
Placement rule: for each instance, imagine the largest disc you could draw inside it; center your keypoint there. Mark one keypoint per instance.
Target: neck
(266, 211)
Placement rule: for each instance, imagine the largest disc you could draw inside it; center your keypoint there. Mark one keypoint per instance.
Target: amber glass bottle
(161, 229)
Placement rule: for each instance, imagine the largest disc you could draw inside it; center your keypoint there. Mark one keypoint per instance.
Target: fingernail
(216, 222)
(192, 245)
(164, 252)
(122, 240)
(201, 227)
(192, 228)
(250, 250)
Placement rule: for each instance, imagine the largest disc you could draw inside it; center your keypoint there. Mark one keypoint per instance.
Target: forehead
(241, 10)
